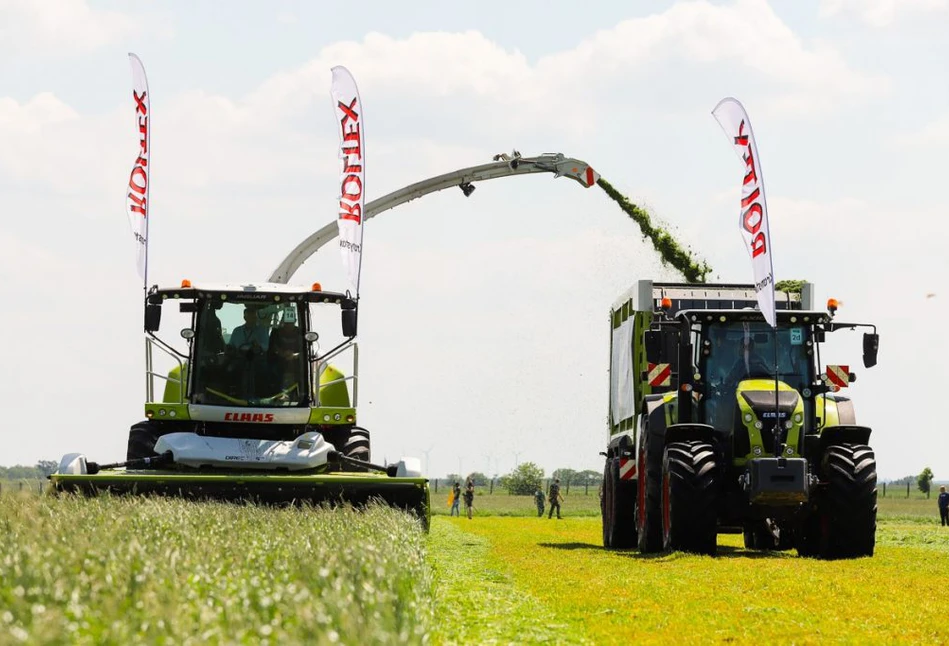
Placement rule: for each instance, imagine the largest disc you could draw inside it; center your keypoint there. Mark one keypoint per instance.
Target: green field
(164, 571)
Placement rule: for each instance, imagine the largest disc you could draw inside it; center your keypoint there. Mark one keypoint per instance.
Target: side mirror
(349, 323)
(152, 317)
(652, 339)
(871, 343)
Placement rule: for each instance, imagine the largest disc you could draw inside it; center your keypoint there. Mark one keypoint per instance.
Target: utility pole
(426, 452)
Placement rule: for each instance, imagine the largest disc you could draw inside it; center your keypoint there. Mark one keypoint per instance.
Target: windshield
(249, 355)
(741, 350)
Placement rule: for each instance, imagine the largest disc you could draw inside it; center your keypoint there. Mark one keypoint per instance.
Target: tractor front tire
(848, 507)
(690, 484)
(648, 493)
(617, 508)
(142, 439)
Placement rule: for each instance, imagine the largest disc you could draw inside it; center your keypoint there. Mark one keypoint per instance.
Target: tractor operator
(749, 365)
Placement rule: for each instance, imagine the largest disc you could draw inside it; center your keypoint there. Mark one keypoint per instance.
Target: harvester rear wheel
(617, 508)
(648, 494)
(849, 503)
(689, 497)
(142, 438)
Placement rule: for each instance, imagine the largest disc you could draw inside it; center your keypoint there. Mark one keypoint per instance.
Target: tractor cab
(759, 387)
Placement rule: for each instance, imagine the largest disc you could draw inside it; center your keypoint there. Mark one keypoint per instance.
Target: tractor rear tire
(649, 493)
(848, 507)
(142, 438)
(690, 492)
(617, 507)
(356, 445)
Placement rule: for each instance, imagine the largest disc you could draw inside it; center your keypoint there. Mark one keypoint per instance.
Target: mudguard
(844, 434)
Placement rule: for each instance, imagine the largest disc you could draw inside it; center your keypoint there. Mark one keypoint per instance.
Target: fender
(844, 434)
(690, 432)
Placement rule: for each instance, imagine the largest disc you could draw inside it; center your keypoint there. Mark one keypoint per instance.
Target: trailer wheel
(807, 536)
(142, 438)
(606, 504)
(617, 508)
(849, 503)
(690, 497)
(648, 495)
(759, 535)
(356, 445)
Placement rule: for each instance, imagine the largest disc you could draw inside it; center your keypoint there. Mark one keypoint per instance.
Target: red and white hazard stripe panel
(838, 376)
(627, 468)
(660, 374)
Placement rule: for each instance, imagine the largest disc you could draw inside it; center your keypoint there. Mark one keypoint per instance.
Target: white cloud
(59, 26)
(879, 13)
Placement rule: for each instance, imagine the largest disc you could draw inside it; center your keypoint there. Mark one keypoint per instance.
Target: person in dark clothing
(554, 498)
(539, 500)
(943, 505)
(469, 497)
(455, 500)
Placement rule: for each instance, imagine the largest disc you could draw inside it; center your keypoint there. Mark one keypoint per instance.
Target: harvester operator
(251, 334)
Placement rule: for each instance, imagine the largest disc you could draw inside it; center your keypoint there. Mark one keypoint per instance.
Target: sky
(484, 337)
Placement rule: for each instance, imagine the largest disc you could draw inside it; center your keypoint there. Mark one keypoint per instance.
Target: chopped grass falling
(669, 249)
(130, 570)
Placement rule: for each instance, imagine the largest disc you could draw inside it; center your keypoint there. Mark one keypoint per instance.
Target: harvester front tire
(142, 438)
(618, 508)
(690, 498)
(357, 446)
(848, 507)
(648, 494)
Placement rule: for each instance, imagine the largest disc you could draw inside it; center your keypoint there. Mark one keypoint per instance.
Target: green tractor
(721, 423)
(252, 409)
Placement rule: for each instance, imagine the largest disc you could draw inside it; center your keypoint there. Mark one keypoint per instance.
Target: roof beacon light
(666, 303)
(185, 283)
(832, 305)
(317, 287)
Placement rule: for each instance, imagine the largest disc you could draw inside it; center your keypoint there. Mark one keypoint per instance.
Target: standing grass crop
(135, 570)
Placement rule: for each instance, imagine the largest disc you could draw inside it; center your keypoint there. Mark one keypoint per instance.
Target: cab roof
(250, 292)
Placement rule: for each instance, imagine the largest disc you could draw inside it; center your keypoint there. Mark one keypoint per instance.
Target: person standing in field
(554, 497)
(455, 499)
(943, 505)
(539, 499)
(469, 497)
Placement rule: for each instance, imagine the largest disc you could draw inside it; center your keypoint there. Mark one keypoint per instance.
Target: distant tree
(479, 479)
(47, 467)
(924, 480)
(588, 477)
(452, 478)
(567, 476)
(525, 479)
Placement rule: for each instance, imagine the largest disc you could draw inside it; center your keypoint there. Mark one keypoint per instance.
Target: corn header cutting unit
(719, 423)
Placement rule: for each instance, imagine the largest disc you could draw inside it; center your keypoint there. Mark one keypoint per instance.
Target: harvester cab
(250, 406)
(720, 422)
